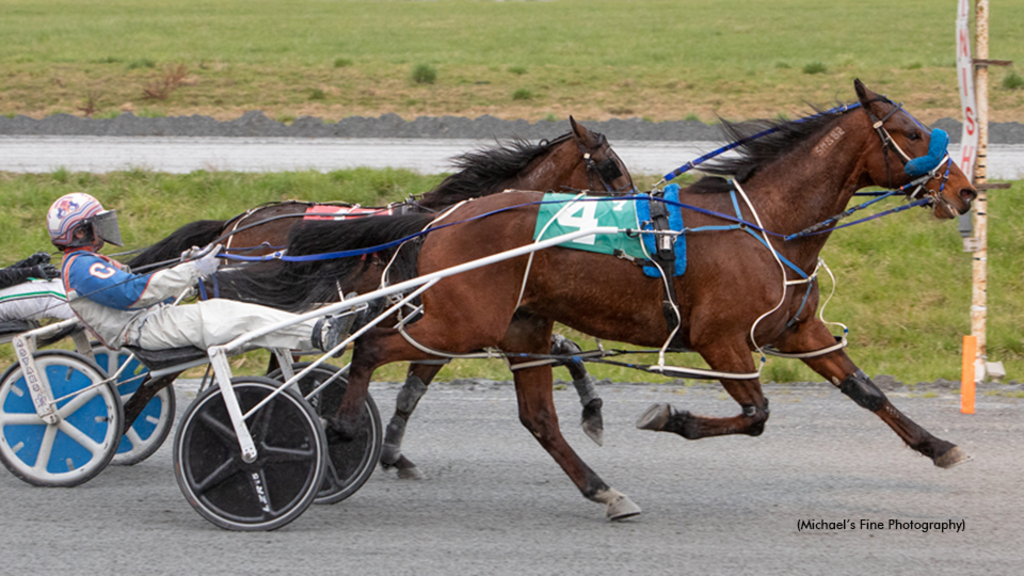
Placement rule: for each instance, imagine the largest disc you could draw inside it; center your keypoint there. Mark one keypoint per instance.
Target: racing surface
(493, 502)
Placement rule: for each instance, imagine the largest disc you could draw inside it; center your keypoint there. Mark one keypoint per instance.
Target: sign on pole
(965, 76)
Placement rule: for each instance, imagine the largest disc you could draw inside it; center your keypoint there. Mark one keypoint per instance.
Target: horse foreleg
(838, 369)
(416, 382)
(664, 417)
(584, 382)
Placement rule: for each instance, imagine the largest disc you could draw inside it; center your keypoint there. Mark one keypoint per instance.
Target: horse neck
(813, 182)
(561, 167)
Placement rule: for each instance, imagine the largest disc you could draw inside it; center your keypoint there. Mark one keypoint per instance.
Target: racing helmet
(72, 211)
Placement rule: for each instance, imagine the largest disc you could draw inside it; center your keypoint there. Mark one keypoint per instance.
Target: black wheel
(349, 464)
(83, 441)
(271, 491)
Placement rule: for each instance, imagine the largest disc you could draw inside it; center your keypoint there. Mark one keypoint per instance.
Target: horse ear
(863, 94)
(579, 132)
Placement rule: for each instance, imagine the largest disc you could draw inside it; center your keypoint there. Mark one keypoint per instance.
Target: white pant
(214, 322)
(35, 300)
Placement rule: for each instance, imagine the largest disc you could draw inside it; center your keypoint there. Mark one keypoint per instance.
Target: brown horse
(733, 298)
(579, 159)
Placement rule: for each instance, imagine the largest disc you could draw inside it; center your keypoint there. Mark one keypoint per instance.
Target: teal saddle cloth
(565, 213)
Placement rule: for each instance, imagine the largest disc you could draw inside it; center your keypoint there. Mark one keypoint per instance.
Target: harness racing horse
(733, 298)
(579, 159)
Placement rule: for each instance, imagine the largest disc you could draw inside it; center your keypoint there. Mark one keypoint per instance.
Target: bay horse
(579, 159)
(733, 298)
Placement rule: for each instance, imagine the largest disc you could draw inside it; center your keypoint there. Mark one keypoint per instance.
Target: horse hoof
(412, 473)
(621, 508)
(655, 417)
(389, 455)
(592, 422)
(594, 431)
(952, 457)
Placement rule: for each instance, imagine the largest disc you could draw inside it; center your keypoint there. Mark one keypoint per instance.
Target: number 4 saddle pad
(565, 213)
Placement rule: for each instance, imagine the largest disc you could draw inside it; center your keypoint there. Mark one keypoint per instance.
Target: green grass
(734, 57)
(903, 283)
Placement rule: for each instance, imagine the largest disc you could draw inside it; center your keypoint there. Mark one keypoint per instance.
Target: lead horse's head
(911, 154)
(605, 171)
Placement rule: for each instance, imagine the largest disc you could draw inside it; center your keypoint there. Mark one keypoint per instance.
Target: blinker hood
(936, 152)
(105, 226)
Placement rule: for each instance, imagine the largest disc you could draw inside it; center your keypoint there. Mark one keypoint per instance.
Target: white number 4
(586, 218)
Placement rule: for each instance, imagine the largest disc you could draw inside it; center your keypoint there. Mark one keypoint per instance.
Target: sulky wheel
(350, 464)
(81, 443)
(154, 424)
(271, 491)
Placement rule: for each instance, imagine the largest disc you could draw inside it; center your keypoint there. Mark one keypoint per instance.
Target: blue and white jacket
(108, 299)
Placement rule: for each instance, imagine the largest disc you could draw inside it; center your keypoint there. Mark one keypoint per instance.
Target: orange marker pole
(967, 375)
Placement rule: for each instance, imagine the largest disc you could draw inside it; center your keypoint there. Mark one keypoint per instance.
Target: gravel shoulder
(255, 123)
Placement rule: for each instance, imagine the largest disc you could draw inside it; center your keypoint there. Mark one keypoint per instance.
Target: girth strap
(665, 259)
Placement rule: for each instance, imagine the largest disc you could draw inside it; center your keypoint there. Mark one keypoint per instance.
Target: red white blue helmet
(73, 210)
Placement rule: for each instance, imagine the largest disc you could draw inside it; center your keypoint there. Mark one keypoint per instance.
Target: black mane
(483, 172)
(752, 156)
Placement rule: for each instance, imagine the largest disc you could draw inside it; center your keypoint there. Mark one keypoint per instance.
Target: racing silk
(108, 299)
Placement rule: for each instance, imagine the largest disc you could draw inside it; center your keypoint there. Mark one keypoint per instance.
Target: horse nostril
(968, 194)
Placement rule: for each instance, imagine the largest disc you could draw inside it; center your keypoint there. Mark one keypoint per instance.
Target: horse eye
(915, 135)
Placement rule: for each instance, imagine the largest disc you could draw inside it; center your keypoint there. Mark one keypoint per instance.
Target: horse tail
(303, 285)
(199, 233)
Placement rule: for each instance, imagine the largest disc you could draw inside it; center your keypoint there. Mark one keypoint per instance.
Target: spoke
(332, 481)
(20, 419)
(45, 447)
(134, 438)
(77, 402)
(258, 481)
(271, 454)
(223, 431)
(222, 473)
(261, 423)
(80, 437)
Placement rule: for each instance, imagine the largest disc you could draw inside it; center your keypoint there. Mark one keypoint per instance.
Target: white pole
(979, 292)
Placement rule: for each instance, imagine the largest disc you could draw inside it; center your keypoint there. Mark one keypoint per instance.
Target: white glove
(208, 262)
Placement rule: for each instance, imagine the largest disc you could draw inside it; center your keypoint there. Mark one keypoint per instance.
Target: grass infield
(653, 59)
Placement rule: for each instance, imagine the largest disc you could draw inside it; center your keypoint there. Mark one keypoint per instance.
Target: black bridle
(888, 144)
(606, 171)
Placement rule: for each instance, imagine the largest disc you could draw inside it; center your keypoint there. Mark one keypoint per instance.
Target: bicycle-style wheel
(350, 464)
(262, 495)
(83, 441)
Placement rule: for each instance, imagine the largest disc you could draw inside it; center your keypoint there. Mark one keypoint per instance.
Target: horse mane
(488, 171)
(198, 233)
(301, 286)
(755, 154)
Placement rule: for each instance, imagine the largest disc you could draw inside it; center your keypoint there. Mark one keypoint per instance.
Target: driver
(125, 309)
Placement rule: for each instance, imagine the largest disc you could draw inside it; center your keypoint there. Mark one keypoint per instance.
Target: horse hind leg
(415, 387)
(591, 421)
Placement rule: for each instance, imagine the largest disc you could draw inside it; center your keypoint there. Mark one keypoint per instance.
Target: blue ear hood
(936, 151)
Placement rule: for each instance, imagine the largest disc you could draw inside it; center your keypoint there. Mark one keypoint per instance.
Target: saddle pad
(565, 213)
(334, 212)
